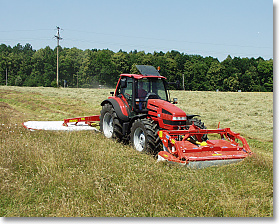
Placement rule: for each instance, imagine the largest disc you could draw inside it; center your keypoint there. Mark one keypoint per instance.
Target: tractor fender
(127, 126)
(139, 116)
(191, 116)
(117, 108)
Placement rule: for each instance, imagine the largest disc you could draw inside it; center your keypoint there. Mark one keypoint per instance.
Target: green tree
(44, 68)
(93, 67)
(231, 83)
(188, 74)
(121, 62)
(215, 76)
(200, 81)
(265, 70)
(70, 64)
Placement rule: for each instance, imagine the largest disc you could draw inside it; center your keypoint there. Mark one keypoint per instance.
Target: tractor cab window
(151, 88)
(159, 89)
(125, 89)
(143, 89)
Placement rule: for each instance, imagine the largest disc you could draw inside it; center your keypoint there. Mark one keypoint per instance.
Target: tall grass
(56, 173)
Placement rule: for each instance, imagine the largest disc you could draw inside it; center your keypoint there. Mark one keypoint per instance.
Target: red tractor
(140, 111)
(139, 108)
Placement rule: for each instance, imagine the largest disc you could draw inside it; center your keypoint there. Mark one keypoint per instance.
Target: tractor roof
(146, 71)
(142, 76)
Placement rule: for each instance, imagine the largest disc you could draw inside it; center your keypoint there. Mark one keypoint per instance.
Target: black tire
(110, 124)
(199, 124)
(144, 136)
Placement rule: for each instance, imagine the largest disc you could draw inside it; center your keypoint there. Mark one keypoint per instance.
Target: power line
(172, 40)
(139, 37)
(33, 30)
(180, 45)
(57, 63)
(163, 48)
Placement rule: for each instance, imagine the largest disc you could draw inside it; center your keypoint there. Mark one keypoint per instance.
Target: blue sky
(217, 28)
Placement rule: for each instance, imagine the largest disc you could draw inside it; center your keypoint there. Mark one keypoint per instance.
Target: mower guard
(89, 120)
(185, 147)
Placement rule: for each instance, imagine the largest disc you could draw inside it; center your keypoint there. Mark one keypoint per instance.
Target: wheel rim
(108, 125)
(139, 139)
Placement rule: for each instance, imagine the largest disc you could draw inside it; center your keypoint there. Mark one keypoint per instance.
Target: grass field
(45, 173)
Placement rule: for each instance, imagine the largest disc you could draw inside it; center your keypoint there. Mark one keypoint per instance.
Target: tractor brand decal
(83, 118)
(173, 141)
(160, 134)
(74, 120)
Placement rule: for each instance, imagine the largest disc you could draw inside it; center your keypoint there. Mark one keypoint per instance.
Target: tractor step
(185, 147)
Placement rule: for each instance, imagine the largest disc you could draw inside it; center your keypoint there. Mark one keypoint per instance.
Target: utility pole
(57, 49)
(77, 81)
(6, 76)
(183, 82)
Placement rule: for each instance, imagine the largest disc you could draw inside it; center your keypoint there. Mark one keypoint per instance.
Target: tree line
(91, 68)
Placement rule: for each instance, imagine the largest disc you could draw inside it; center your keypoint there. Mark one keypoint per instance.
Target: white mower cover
(57, 126)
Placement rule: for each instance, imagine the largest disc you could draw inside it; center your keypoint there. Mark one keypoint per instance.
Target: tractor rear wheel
(110, 124)
(144, 136)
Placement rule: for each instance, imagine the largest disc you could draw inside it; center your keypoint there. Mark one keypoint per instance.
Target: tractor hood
(167, 110)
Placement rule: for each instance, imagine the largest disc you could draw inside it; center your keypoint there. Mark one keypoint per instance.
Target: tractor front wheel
(110, 124)
(144, 136)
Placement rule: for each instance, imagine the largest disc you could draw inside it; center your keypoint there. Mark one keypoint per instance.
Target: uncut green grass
(73, 174)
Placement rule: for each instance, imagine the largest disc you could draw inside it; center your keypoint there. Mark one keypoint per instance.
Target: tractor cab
(136, 90)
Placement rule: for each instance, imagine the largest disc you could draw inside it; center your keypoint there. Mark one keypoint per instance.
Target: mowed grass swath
(56, 173)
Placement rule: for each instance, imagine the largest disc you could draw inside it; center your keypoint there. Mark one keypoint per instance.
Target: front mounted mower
(140, 111)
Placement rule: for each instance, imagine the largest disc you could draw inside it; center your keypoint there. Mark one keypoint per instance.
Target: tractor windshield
(151, 85)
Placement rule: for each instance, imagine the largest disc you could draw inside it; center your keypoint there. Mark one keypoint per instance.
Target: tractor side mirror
(123, 83)
(175, 101)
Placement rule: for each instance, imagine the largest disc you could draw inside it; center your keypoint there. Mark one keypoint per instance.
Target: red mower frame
(180, 146)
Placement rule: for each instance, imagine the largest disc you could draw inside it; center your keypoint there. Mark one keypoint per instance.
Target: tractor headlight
(179, 118)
